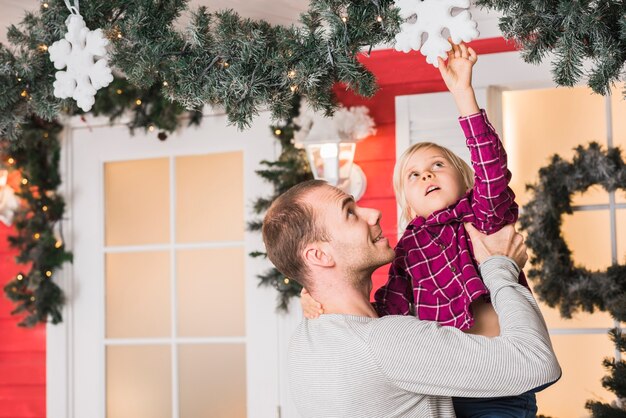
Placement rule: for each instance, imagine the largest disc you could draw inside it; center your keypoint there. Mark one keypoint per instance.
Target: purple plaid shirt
(434, 268)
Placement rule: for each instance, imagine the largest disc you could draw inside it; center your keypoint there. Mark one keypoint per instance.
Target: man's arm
(425, 358)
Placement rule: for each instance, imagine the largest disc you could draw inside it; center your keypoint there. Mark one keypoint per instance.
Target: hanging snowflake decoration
(83, 52)
(432, 17)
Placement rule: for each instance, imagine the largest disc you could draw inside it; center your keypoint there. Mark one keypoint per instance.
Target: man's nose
(372, 216)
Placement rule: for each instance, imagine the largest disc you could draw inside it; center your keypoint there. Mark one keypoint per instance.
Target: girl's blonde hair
(464, 169)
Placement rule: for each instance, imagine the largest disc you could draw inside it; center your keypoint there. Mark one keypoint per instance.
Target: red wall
(398, 74)
(22, 350)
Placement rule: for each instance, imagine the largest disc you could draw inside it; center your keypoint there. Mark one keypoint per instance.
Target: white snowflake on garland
(432, 17)
(83, 52)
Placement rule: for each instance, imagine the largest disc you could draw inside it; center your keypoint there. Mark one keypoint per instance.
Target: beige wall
(536, 125)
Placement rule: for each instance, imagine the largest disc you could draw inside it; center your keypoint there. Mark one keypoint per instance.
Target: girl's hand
(310, 307)
(457, 71)
(457, 74)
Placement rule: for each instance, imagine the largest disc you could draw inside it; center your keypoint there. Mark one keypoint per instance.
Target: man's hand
(505, 242)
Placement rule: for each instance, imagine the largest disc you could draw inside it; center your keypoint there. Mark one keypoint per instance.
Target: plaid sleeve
(493, 201)
(394, 298)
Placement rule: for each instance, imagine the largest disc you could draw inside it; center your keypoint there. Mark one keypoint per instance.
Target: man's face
(431, 182)
(356, 239)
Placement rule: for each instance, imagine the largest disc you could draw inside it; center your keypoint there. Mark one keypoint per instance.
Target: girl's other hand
(310, 307)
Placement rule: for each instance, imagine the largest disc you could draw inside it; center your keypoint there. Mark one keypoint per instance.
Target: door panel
(166, 318)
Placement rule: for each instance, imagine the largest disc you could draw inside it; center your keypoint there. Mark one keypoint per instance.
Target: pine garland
(291, 168)
(558, 281)
(572, 32)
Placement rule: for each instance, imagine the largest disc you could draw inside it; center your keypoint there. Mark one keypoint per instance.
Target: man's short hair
(289, 226)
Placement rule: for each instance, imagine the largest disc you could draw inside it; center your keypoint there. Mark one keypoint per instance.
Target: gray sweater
(398, 366)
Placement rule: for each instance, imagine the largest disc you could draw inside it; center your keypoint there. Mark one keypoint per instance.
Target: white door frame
(67, 392)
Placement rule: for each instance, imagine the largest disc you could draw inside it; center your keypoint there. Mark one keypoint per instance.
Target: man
(349, 363)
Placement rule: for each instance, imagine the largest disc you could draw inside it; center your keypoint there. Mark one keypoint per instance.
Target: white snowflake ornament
(432, 17)
(83, 52)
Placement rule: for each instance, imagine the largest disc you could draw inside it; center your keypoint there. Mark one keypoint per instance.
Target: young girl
(434, 275)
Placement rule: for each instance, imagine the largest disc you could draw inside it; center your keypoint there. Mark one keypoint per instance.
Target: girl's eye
(413, 174)
(438, 164)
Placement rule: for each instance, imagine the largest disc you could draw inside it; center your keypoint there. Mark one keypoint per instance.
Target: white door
(164, 316)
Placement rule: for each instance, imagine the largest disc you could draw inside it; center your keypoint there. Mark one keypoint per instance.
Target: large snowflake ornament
(83, 52)
(431, 17)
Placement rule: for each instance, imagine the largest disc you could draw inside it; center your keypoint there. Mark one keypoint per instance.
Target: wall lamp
(330, 144)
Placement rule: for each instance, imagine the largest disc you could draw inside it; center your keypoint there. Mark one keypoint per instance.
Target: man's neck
(348, 300)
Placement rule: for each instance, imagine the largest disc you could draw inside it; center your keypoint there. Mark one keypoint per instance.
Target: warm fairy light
(48, 273)
(42, 48)
(24, 93)
(344, 19)
(58, 244)
(44, 208)
(119, 35)
(151, 128)
(286, 280)
(138, 102)
(11, 161)
(32, 298)
(165, 84)
(24, 182)
(291, 73)
(379, 19)
(36, 235)
(293, 88)
(46, 134)
(19, 79)
(278, 132)
(119, 91)
(45, 5)
(20, 277)
(226, 64)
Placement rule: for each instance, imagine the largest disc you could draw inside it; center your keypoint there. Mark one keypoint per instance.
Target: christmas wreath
(560, 282)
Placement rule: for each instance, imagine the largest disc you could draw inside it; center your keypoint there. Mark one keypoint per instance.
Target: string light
(165, 84)
(24, 182)
(344, 19)
(46, 134)
(45, 208)
(24, 93)
(48, 273)
(58, 244)
(278, 132)
(36, 235)
(32, 298)
(119, 91)
(20, 277)
(151, 128)
(379, 19)
(286, 281)
(19, 79)
(42, 48)
(226, 64)
(293, 88)
(138, 102)
(45, 5)
(11, 161)
(291, 74)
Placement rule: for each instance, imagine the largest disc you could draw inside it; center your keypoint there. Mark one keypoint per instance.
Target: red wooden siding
(22, 351)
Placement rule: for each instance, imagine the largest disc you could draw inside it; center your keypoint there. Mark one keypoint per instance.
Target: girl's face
(431, 182)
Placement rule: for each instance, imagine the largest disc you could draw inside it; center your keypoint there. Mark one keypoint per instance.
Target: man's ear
(318, 254)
